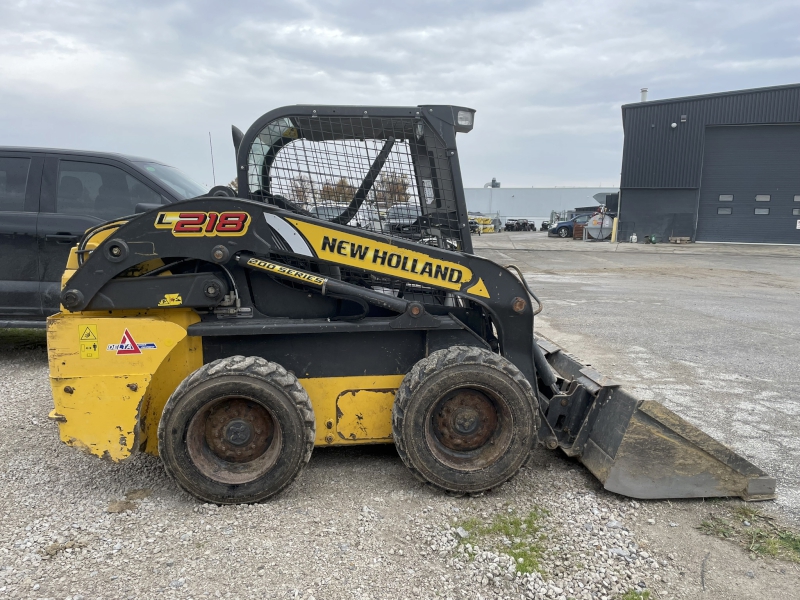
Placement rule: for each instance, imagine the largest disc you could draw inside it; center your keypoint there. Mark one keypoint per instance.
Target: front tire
(464, 419)
(563, 232)
(237, 430)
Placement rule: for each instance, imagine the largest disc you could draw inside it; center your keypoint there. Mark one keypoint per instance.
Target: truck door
(78, 193)
(20, 178)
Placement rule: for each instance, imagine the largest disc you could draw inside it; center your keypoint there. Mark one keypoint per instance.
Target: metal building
(717, 168)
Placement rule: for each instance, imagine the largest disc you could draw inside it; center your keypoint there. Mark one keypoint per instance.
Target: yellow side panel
(101, 415)
(185, 358)
(365, 415)
(353, 410)
(99, 396)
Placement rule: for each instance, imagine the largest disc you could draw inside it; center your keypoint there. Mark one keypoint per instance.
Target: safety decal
(87, 335)
(286, 271)
(204, 224)
(129, 346)
(427, 187)
(171, 300)
(364, 253)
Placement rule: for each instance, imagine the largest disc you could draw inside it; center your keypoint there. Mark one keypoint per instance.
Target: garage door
(750, 188)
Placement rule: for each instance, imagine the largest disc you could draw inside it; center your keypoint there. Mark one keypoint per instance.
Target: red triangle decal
(127, 345)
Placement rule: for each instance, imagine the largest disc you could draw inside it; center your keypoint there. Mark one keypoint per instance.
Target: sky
(547, 78)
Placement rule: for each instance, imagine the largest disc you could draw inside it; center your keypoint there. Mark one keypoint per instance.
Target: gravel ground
(356, 524)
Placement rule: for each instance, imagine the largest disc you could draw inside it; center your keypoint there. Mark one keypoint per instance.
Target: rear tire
(464, 419)
(563, 232)
(237, 430)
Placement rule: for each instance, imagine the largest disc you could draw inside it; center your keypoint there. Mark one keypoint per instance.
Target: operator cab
(392, 170)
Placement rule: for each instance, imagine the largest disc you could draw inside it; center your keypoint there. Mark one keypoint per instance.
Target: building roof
(714, 95)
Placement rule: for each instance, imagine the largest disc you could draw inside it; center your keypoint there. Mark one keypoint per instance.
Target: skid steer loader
(232, 335)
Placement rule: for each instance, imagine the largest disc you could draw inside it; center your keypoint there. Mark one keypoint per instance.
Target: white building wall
(530, 203)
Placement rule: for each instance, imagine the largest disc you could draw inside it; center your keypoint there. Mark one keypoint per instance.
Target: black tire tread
(249, 366)
(458, 355)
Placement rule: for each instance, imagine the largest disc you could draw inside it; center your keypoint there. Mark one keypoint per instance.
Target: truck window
(13, 179)
(175, 180)
(99, 190)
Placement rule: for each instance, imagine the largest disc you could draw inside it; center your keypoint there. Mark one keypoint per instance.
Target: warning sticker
(87, 335)
(89, 350)
(427, 187)
(171, 300)
(129, 346)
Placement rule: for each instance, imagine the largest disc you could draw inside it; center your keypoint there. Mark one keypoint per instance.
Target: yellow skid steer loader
(335, 299)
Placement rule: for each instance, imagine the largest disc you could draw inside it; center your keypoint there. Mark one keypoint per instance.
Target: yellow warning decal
(171, 300)
(285, 271)
(87, 336)
(88, 333)
(380, 257)
(479, 289)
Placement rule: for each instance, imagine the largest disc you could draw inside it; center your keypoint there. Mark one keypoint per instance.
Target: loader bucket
(640, 448)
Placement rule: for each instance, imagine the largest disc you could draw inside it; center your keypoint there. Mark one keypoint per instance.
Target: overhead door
(750, 187)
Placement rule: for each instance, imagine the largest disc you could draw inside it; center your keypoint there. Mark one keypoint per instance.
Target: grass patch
(635, 595)
(746, 513)
(512, 534)
(717, 527)
(756, 532)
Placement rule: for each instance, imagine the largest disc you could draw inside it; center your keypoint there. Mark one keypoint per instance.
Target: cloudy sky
(547, 78)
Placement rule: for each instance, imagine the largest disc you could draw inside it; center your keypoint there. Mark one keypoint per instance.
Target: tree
(391, 188)
(341, 191)
(302, 190)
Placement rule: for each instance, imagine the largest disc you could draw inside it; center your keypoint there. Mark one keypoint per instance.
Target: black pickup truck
(48, 198)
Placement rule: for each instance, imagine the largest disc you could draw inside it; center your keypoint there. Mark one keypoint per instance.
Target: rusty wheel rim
(469, 428)
(234, 440)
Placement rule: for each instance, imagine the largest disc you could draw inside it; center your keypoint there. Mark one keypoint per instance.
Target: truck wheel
(237, 430)
(464, 419)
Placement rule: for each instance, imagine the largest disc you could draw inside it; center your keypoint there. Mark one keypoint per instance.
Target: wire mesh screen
(388, 175)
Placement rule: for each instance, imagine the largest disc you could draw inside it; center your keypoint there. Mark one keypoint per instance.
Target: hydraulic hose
(527, 288)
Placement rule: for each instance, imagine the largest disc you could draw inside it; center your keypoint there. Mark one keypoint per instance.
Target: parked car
(367, 216)
(474, 227)
(518, 225)
(48, 198)
(402, 218)
(564, 229)
(402, 215)
(545, 226)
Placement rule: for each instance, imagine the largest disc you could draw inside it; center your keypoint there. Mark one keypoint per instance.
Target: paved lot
(712, 332)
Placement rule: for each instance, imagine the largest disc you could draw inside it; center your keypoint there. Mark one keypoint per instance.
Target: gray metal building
(716, 168)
